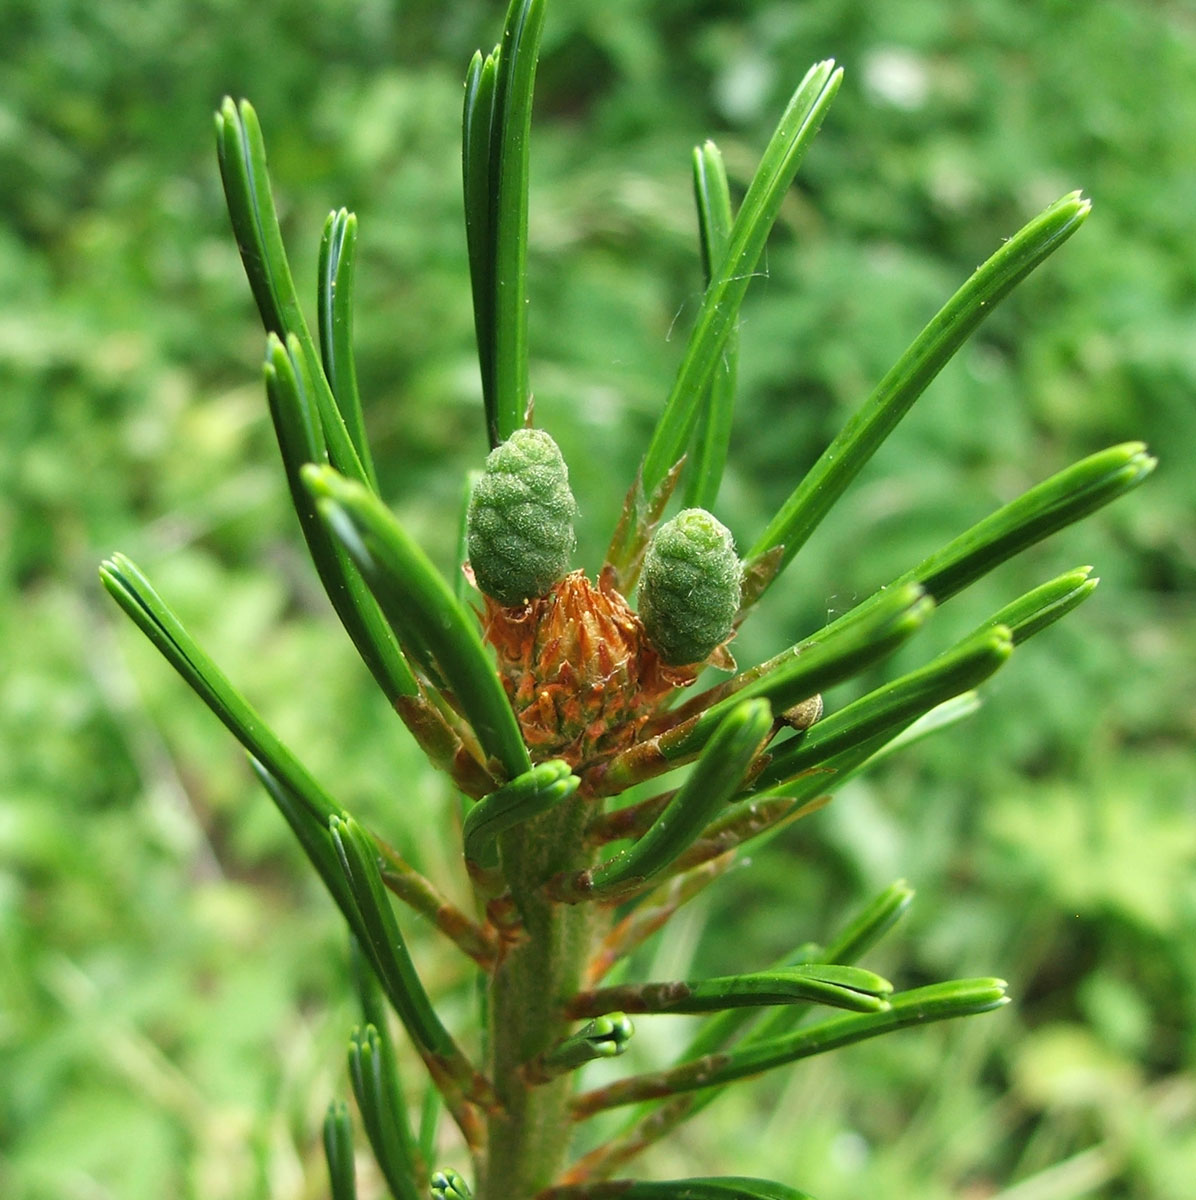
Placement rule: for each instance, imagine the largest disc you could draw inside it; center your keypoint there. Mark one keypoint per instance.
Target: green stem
(528, 1137)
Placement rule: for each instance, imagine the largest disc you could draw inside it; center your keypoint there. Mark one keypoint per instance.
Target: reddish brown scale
(580, 673)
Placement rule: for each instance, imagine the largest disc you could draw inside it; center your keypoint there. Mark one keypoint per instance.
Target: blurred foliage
(172, 987)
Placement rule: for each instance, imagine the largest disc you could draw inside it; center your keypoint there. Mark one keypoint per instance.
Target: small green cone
(520, 524)
(689, 590)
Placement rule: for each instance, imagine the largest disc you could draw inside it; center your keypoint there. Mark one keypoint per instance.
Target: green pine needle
(911, 374)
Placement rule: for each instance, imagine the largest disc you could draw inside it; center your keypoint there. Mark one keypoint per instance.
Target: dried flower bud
(689, 591)
(801, 716)
(521, 519)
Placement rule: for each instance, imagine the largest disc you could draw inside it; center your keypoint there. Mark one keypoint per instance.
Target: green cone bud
(521, 519)
(689, 590)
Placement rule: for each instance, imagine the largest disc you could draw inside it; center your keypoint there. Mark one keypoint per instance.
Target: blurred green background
(173, 994)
